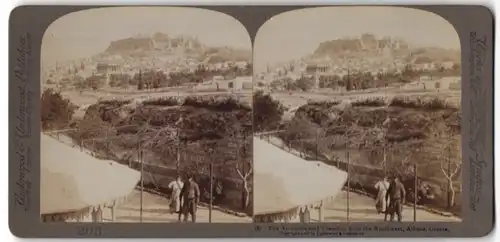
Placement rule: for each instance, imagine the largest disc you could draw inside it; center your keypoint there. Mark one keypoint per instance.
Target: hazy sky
(88, 32)
(294, 34)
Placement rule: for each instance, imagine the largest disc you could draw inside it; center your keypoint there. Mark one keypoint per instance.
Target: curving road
(156, 210)
(362, 209)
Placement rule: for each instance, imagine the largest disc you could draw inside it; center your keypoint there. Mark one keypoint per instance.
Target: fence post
(320, 212)
(113, 212)
(317, 145)
(211, 193)
(448, 173)
(178, 151)
(93, 148)
(107, 152)
(415, 192)
(348, 183)
(139, 155)
(385, 161)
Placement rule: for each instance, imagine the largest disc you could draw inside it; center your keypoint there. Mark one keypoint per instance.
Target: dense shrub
(370, 102)
(267, 112)
(324, 104)
(163, 101)
(216, 103)
(115, 102)
(433, 103)
(56, 111)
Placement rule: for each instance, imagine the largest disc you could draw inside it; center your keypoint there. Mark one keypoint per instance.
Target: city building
(105, 68)
(218, 83)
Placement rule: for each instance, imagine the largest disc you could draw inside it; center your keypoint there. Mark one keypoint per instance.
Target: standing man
(190, 195)
(396, 195)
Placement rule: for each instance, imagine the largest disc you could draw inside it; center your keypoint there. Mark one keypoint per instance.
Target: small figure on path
(190, 197)
(396, 195)
(175, 197)
(381, 199)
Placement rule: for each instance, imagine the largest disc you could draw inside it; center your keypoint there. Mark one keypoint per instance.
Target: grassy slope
(365, 127)
(208, 122)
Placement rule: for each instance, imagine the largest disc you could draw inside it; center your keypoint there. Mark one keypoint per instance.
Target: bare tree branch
(238, 170)
(243, 176)
(443, 169)
(457, 167)
(249, 172)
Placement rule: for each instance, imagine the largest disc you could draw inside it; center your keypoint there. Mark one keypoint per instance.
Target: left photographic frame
(146, 116)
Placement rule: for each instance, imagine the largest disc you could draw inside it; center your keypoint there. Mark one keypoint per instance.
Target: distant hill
(368, 44)
(161, 42)
(129, 45)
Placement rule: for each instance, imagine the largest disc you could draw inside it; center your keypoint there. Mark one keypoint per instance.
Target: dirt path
(155, 210)
(362, 209)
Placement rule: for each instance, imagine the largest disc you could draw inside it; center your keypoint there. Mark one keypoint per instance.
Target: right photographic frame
(357, 117)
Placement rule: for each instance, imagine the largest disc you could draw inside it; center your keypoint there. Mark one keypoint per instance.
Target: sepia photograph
(357, 117)
(146, 117)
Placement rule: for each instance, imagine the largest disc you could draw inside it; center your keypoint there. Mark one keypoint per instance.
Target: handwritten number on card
(90, 231)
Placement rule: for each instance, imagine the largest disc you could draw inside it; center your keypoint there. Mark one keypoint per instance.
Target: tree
(305, 83)
(365, 84)
(349, 84)
(408, 73)
(80, 85)
(140, 81)
(95, 82)
(248, 69)
(456, 69)
(276, 85)
(450, 168)
(56, 111)
(297, 131)
(289, 84)
(245, 178)
(267, 112)
(242, 162)
(119, 80)
(441, 160)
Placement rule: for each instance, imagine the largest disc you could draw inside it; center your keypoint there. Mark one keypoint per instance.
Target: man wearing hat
(396, 195)
(190, 197)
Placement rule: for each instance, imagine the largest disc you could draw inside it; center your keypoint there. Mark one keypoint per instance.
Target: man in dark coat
(396, 195)
(190, 197)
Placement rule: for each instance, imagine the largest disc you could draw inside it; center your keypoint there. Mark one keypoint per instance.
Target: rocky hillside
(161, 42)
(365, 42)
(130, 44)
(158, 41)
(368, 43)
